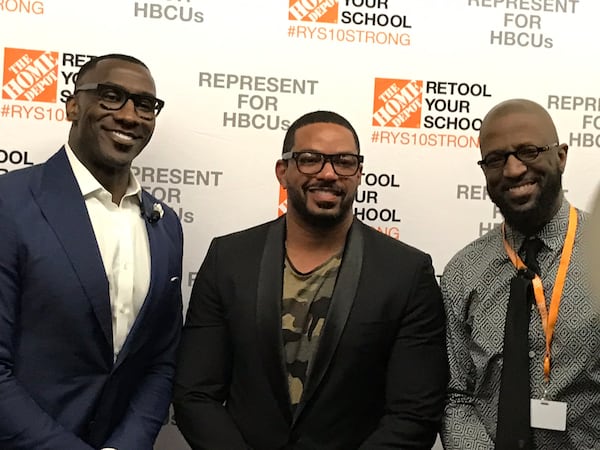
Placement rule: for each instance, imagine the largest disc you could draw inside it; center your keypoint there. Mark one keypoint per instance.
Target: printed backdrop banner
(415, 77)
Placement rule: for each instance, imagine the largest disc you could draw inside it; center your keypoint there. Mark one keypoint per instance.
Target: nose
(514, 168)
(127, 112)
(327, 171)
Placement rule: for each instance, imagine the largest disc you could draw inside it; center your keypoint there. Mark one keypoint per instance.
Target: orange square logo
(397, 103)
(30, 75)
(282, 209)
(322, 11)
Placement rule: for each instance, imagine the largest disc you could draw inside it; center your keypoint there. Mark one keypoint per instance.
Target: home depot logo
(30, 75)
(282, 209)
(322, 11)
(397, 103)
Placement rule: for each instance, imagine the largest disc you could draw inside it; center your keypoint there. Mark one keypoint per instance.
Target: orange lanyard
(549, 319)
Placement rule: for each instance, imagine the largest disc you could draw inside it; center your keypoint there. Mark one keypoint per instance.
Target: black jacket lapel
(268, 314)
(339, 309)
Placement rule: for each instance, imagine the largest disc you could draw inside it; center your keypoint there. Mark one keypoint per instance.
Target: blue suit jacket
(59, 386)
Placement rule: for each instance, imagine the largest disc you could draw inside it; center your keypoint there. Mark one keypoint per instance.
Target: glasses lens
(112, 97)
(494, 160)
(309, 163)
(345, 164)
(146, 105)
(527, 154)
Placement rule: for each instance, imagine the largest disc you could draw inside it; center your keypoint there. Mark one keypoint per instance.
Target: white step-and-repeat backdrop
(414, 77)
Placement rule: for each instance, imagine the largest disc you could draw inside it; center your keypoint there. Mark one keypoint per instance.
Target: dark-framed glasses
(114, 97)
(311, 163)
(525, 153)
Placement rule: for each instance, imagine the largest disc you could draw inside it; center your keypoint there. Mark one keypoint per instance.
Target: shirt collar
(89, 185)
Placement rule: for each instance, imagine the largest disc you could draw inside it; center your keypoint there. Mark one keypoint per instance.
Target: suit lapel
(339, 310)
(268, 314)
(61, 202)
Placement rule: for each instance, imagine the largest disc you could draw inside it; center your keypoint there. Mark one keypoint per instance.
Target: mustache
(325, 185)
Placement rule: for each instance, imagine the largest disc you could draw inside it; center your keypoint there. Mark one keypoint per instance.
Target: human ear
(72, 109)
(280, 172)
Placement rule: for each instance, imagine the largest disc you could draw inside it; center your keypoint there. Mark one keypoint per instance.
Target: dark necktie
(513, 431)
(532, 247)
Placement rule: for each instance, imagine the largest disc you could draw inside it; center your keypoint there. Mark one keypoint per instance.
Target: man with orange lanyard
(523, 327)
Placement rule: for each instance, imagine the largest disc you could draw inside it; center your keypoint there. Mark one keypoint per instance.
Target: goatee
(530, 221)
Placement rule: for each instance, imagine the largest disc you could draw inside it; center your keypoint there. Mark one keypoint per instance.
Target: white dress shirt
(122, 239)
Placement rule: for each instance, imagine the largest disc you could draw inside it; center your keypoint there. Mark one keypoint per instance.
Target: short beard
(322, 221)
(531, 221)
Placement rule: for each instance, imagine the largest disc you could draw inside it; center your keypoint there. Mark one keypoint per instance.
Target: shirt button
(531, 354)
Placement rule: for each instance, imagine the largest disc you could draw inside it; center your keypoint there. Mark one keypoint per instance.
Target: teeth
(521, 188)
(328, 191)
(317, 188)
(123, 136)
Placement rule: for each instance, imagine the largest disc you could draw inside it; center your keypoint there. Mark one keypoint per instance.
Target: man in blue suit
(90, 270)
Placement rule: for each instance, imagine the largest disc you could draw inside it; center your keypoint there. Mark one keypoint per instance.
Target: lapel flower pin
(157, 213)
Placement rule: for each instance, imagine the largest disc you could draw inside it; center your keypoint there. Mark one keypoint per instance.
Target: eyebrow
(144, 93)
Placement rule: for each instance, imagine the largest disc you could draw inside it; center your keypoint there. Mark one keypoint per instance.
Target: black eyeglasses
(311, 163)
(525, 154)
(114, 97)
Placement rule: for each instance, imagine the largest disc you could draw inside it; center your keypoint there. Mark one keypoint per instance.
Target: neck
(114, 180)
(115, 183)
(309, 246)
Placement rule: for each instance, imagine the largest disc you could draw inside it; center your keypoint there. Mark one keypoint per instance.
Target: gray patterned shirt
(475, 286)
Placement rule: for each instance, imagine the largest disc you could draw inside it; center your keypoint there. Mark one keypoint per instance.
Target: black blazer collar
(268, 314)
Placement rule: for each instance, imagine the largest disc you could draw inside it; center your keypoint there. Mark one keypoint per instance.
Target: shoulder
(16, 182)
(19, 177)
(476, 249)
(381, 244)
(246, 247)
(256, 233)
(583, 216)
(16, 186)
(469, 264)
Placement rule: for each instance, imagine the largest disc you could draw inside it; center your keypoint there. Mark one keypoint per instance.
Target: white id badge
(548, 415)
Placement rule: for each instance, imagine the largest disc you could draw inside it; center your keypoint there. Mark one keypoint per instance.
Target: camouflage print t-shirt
(306, 298)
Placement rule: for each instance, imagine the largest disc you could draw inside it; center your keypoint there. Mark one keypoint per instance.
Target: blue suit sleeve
(24, 425)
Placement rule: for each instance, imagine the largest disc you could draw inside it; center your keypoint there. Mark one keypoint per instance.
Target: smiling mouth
(122, 137)
(522, 189)
(324, 190)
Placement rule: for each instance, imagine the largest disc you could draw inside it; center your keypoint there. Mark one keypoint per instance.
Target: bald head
(517, 106)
